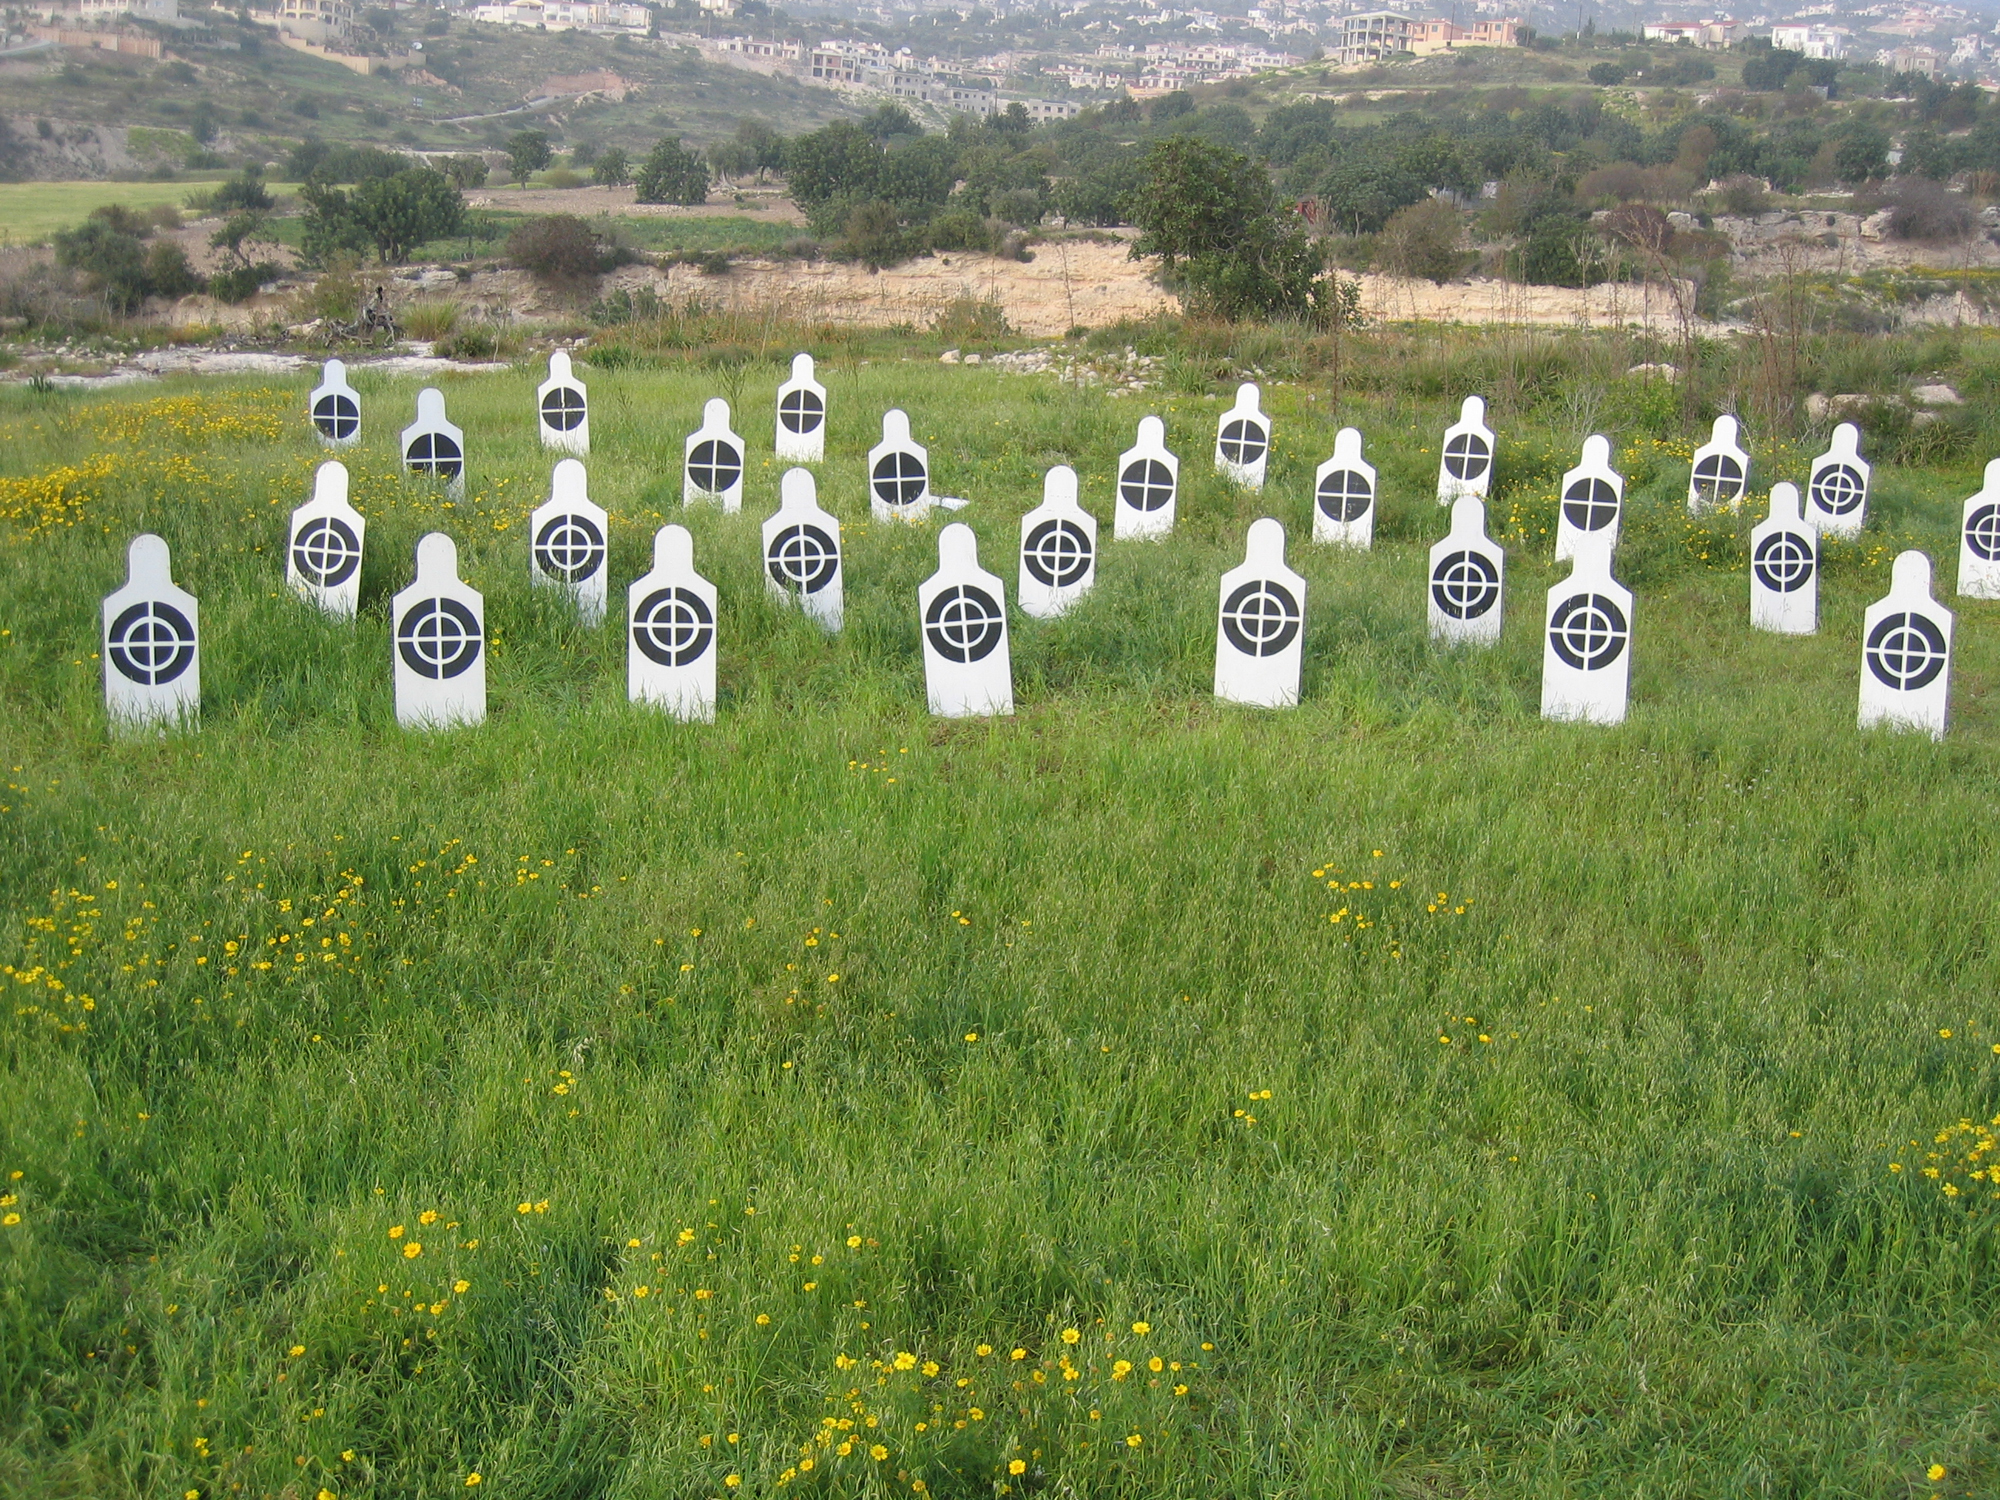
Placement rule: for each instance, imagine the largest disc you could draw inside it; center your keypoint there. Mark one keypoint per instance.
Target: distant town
(1083, 57)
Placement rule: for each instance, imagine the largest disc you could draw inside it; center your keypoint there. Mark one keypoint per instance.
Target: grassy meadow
(1139, 1096)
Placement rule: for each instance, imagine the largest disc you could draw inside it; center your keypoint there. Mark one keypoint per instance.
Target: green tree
(1358, 197)
(839, 161)
(1211, 218)
(527, 153)
(111, 260)
(672, 174)
(390, 215)
(1861, 153)
(613, 168)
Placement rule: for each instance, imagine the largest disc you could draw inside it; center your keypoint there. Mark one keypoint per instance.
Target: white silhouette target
(1979, 540)
(323, 554)
(899, 473)
(1243, 440)
(563, 408)
(1837, 493)
(713, 467)
(335, 408)
(1467, 579)
(439, 646)
(802, 415)
(1058, 548)
(670, 630)
(1148, 485)
(1587, 640)
(1906, 653)
(152, 643)
(1260, 625)
(1465, 465)
(432, 446)
(1784, 568)
(1344, 495)
(962, 611)
(1721, 471)
(1592, 500)
(802, 551)
(566, 542)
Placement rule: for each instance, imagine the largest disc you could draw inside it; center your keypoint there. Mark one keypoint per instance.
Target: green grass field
(32, 211)
(1136, 1097)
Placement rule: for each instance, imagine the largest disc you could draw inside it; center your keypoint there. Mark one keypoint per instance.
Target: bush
(244, 192)
(314, 158)
(1743, 194)
(562, 178)
(613, 168)
(672, 174)
(1559, 252)
(243, 282)
(475, 341)
(1424, 241)
(392, 215)
(168, 273)
(430, 320)
(1606, 74)
(1920, 209)
(555, 248)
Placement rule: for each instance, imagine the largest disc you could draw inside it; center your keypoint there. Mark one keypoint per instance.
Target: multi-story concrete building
(1374, 35)
(1814, 41)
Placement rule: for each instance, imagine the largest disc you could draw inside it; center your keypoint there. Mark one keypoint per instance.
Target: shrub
(475, 341)
(392, 215)
(1606, 74)
(1743, 194)
(430, 320)
(168, 273)
(562, 178)
(243, 192)
(1920, 209)
(241, 283)
(555, 248)
(1423, 240)
(613, 168)
(672, 174)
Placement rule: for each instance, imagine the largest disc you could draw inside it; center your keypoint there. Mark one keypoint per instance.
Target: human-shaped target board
(1344, 495)
(1837, 492)
(670, 619)
(713, 469)
(323, 554)
(1465, 463)
(802, 551)
(1260, 625)
(1593, 498)
(1906, 653)
(1979, 540)
(335, 408)
(962, 609)
(152, 643)
(562, 408)
(439, 645)
(1467, 579)
(1149, 480)
(899, 473)
(1587, 640)
(1243, 440)
(566, 542)
(1721, 471)
(1058, 548)
(802, 415)
(1784, 568)
(432, 446)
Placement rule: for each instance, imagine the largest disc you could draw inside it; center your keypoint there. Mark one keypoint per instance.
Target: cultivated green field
(1136, 1097)
(32, 211)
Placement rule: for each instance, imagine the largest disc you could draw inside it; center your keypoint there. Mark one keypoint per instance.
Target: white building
(1814, 41)
(567, 15)
(1713, 34)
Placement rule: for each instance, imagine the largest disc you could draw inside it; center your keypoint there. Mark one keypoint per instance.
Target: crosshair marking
(438, 638)
(569, 548)
(563, 408)
(899, 478)
(1590, 504)
(673, 626)
(152, 643)
(1467, 455)
(803, 558)
(1243, 441)
(1056, 553)
(1261, 618)
(337, 415)
(326, 552)
(801, 411)
(1147, 484)
(1345, 495)
(1466, 584)
(713, 466)
(1588, 631)
(1982, 533)
(435, 454)
(1718, 479)
(1838, 489)
(1784, 561)
(964, 623)
(1906, 651)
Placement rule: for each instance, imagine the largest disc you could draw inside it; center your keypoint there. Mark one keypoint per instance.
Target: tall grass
(1447, 1101)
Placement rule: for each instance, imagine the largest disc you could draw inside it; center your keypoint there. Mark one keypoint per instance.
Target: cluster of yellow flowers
(1966, 1160)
